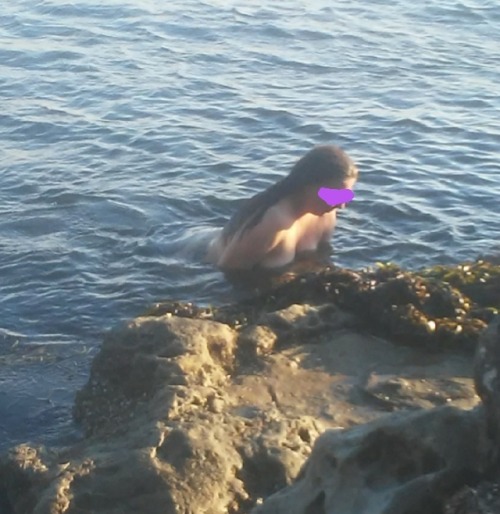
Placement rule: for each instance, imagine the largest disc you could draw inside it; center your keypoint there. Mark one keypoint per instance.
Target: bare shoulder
(249, 247)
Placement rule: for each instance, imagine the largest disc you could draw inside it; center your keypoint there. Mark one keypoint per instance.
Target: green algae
(479, 280)
(438, 307)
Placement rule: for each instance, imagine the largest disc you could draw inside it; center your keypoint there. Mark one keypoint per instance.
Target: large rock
(169, 428)
(404, 464)
(487, 376)
(408, 464)
(190, 415)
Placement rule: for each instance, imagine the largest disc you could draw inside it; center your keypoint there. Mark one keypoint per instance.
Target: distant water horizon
(130, 131)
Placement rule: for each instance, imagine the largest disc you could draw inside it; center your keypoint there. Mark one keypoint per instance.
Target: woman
(289, 217)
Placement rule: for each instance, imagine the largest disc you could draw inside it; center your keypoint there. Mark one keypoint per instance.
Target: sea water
(130, 131)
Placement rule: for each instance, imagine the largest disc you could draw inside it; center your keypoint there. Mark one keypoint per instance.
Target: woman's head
(326, 166)
(323, 166)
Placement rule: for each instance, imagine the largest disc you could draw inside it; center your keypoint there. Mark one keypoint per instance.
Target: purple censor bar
(335, 196)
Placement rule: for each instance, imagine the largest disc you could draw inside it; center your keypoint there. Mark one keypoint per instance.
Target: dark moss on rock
(479, 280)
(438, 307)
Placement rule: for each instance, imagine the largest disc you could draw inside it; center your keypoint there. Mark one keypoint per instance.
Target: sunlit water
(129, 131)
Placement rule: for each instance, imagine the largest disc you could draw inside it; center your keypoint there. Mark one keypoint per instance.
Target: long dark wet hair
(319, 165)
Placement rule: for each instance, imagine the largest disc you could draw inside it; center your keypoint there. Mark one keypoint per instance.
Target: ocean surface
(130, 131)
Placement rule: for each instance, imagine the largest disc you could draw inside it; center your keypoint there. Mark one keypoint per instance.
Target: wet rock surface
(296, 400)
(439, 308)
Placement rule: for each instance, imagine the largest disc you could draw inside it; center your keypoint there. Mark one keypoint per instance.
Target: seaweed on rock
(437, 307)
(479, 280)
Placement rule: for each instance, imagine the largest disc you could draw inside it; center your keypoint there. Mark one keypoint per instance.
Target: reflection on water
(130, 132)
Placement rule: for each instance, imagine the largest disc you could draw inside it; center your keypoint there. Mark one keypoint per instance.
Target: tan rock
(403, 464)
(192, 416)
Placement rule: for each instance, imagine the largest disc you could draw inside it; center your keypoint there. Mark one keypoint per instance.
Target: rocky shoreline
(328, 391)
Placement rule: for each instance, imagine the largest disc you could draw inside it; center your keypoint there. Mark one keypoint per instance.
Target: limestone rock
(257, 340)
(193, 416)
(162, 433)
(405, 464)
(152, 362)
(309, 318)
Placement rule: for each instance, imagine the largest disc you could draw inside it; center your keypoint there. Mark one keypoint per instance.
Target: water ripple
(131, 131)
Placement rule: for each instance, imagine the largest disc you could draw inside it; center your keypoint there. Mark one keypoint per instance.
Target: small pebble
(215, 404)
